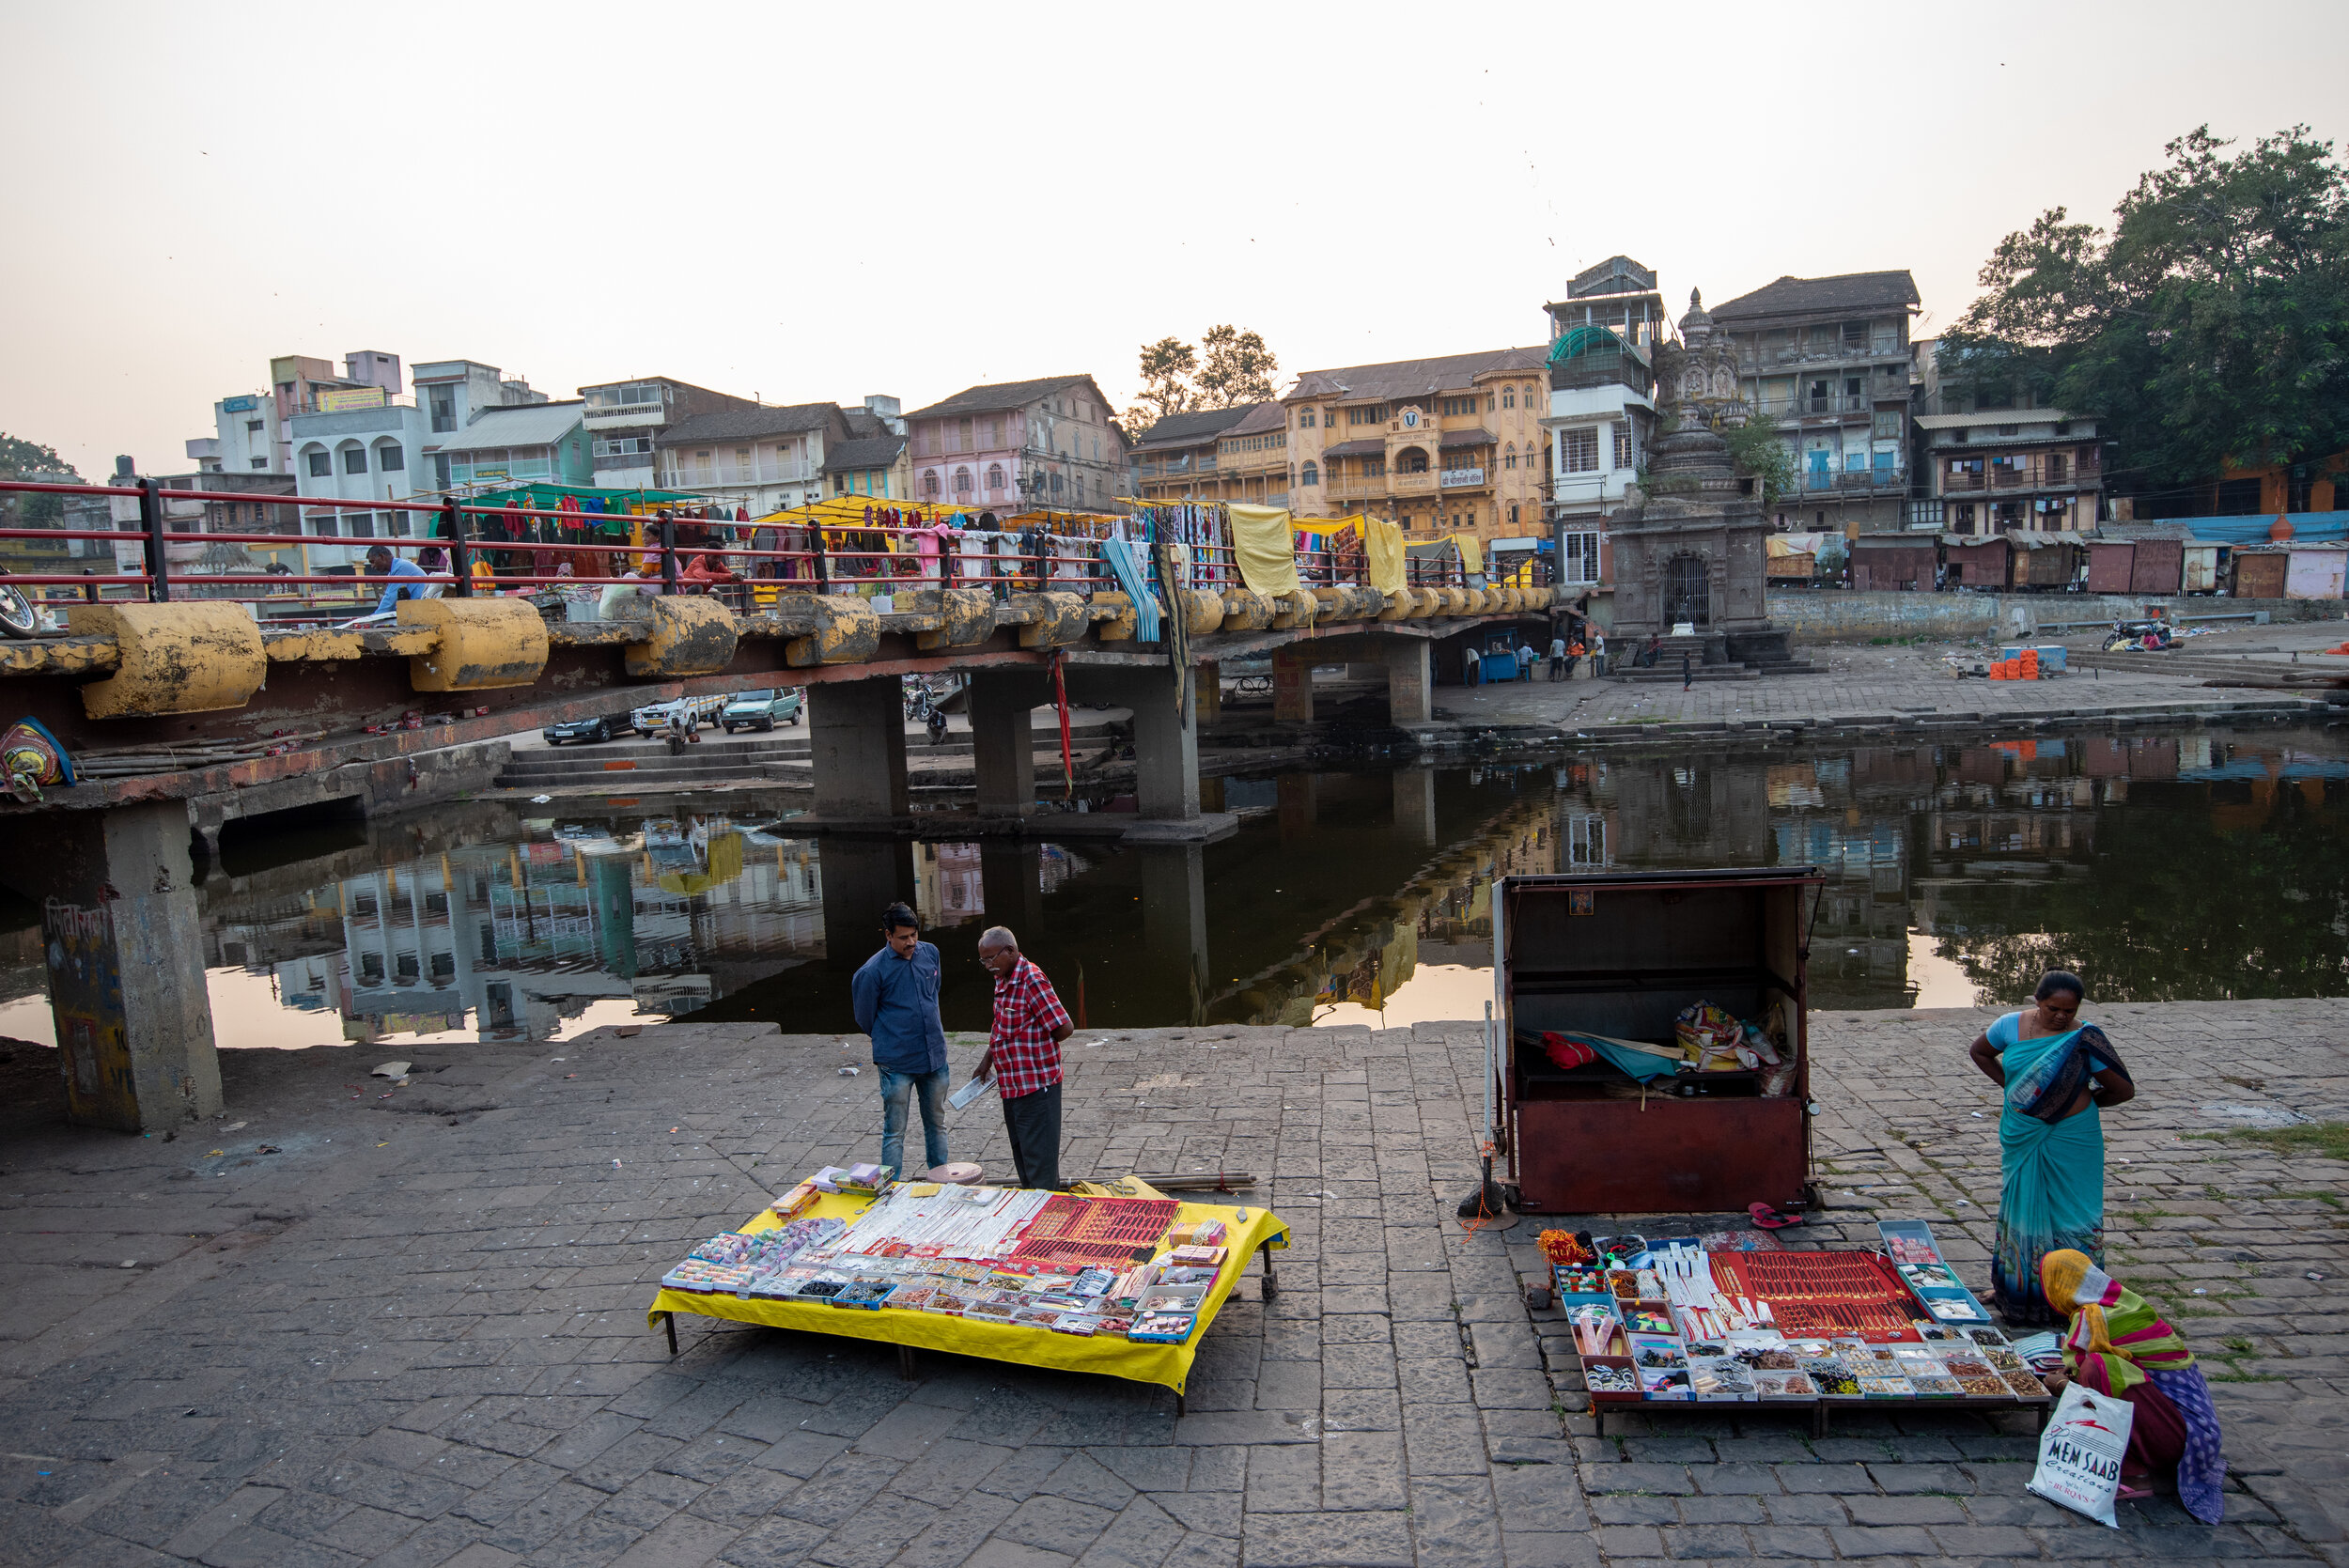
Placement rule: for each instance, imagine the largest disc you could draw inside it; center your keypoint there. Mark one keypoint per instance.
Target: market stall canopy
(1780, 545)
(544, 497)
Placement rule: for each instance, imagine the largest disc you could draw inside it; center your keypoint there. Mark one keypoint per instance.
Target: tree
(1760, 453)
(1166, 368)
(22, 457)
(1238, 369)
(2211, 326)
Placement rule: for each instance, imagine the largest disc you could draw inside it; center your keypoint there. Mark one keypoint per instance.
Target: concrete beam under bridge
(124, 953)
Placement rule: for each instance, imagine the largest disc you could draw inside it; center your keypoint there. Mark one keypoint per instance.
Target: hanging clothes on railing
(1134, 577)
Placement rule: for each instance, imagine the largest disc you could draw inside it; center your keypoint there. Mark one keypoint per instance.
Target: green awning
(1582, 340)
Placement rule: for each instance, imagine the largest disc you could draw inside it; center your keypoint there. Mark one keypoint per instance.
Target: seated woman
(2057, 1073)
(2117, 1347)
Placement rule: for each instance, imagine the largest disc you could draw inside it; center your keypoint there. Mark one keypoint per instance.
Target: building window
(1513, 514)
(1309, 474)
(354, 459)
(930, 483)
(2055, 468)
(1580, 558)
(963, 481)
(1623, 446)
(322, 524)
(322, 465)
(1509, 457)
(994, 476)
(1375, 413)
(252, 427)
(1453, 406)
(391, 459)
(1581, 450)
(1509, 397)
(260, 462)
(1889, 425)
(1304, 419)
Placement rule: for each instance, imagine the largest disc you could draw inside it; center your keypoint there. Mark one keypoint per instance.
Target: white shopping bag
(2079, 1454)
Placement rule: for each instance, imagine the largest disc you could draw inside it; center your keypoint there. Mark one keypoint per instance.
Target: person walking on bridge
(1024, 1051)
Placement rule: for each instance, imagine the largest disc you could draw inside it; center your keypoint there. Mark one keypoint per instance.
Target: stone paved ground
(1865, 679)
(413, 1334)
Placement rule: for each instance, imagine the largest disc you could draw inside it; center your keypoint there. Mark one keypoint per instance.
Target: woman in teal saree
(2058, 1074)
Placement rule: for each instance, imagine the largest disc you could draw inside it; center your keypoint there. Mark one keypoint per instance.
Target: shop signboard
(1453, 477)
(348, 399)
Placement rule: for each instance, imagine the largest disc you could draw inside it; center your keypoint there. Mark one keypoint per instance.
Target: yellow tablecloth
(1169, 1364)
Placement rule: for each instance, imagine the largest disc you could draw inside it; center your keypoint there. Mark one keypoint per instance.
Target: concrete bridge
(177, 701)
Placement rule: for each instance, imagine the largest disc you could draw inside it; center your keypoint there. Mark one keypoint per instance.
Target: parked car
(586, 729)
(761, 710)
(653, 718)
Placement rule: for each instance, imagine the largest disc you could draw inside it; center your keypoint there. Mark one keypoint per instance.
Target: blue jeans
(897, 1088)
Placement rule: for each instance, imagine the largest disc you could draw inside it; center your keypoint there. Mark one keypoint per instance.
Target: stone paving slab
(414, 1334)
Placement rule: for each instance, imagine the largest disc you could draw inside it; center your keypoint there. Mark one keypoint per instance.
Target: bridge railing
(465, 549)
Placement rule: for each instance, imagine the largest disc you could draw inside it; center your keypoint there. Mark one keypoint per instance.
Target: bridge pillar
(856, 737)
(1415, 804)
(125, 956)
(1293, 683)
(1210, 692)
(1166, 741)
(1411, 683)
(1002, 740)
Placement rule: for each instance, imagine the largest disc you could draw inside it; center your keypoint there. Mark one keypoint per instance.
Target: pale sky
(821, 202)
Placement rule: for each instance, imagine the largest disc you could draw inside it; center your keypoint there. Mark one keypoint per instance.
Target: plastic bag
(1705, 1033)
(2079, 1454)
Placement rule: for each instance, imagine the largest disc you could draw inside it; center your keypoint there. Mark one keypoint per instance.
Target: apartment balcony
(2014, 479)
(1880, 481)
(1806, 404)
(624, 414)
(687, 476)
(1881, 345)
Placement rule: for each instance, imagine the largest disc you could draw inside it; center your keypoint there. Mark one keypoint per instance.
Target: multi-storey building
(1253, 457)
(1998, 460)
(1015, 445)
(535, 442)
(452, 392)
(870, 465)
(1828, 360)
(1438, 445)
(1180, 457)
(624, 420)
(1602, 405)
(761, 460)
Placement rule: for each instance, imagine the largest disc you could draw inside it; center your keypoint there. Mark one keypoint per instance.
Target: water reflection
(2158, 866)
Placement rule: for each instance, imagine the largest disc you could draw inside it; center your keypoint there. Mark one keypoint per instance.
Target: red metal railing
(461, 553)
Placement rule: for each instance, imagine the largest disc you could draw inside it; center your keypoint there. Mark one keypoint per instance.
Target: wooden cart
(1621, 954)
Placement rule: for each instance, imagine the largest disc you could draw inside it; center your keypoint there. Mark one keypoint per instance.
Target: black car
(585, 729)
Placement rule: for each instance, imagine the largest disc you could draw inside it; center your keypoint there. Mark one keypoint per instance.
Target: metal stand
(905, 1362)
(1271, 1281)
(668, 1321)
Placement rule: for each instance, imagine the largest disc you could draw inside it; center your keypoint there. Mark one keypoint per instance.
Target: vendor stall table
(1063, 1234)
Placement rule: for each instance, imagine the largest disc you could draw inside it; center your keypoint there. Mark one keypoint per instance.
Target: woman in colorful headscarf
(2058, 1074)
(2117, 1347)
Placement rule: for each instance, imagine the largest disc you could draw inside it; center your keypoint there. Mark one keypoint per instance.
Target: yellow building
(1254, 457)
(1450, 446)
(1180, 457)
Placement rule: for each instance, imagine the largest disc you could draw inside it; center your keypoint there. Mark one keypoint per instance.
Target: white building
(372, 452)
(761, 460)
(451, 392)
(1602, 403)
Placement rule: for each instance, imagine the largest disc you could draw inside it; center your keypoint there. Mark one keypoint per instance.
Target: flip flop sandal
(1769, 1218)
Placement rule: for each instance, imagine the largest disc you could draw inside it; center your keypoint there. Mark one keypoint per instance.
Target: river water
(2198, 865)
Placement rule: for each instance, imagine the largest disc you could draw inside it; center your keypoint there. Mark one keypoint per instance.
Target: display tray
(1033, 1338)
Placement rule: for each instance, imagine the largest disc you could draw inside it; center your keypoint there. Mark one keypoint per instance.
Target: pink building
(1020, 444)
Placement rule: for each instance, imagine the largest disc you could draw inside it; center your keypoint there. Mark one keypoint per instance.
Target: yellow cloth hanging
(1266, 549)
(1383, 543)
(1471, 554)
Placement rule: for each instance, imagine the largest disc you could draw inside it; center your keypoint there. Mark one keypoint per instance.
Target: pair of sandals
(1769, 1218)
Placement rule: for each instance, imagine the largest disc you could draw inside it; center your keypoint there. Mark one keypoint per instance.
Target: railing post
(819, 564)
(459, 547)
(151, 515)
(668, 555)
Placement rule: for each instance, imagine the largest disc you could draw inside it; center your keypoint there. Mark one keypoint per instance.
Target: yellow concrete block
(1294, 610)
(1245, 610)
(1121, 623)
(1204, 610)
(195, 657)
(969, 619)
(485, 643)
(57, 656)
(680, 634)
(1054, 620)
(848, 631)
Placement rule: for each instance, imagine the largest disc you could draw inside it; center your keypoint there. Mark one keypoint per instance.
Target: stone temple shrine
(1687, 545)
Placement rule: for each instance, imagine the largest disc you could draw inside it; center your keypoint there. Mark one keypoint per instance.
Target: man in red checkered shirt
(1023, 1051)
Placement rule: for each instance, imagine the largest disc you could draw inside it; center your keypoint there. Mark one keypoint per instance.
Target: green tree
(2211, 325)
(1166, 389)
(20, 458)
(1760, 453)
(1237, 370)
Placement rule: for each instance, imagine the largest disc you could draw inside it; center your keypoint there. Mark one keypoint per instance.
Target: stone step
(1659, 675)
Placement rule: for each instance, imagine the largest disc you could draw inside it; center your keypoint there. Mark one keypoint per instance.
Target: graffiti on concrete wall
(86, 997)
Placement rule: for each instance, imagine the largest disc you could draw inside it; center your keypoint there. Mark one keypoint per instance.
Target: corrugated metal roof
(753, 424)
(1190, 429)
(1005, 394)
(1794, 296)
(1262, 417)
(523, 424)
(1467, 438)
(1355, 449)
(874, 452)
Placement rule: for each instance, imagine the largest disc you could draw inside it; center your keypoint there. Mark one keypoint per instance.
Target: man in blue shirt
(896, 1003)
(382, 563)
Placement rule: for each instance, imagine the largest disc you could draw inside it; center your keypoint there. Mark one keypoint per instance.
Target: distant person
(1558, 657)
(896, 996)
(1688, 671)
(1598, 653)
(1024, 1053)
(1525, 661)
(1574, 657)
(432, 561)
(382, 563)
(1471, 667)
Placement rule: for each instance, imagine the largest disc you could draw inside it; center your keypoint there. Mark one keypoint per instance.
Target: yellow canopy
(1266, 549)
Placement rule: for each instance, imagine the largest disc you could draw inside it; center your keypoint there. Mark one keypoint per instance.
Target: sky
(807, 202)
